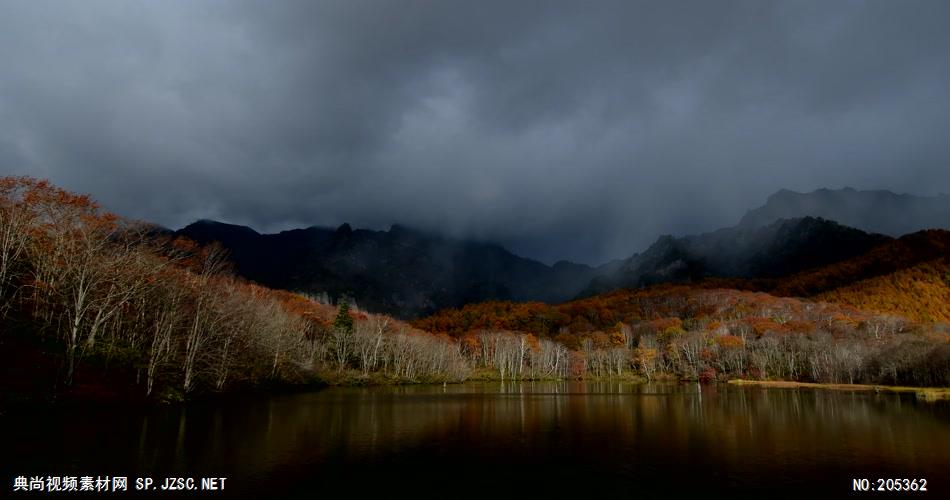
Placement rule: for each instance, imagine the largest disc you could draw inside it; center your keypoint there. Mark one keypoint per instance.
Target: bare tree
(167, 313)
(16, 217)
(368, 340)
(205, 318)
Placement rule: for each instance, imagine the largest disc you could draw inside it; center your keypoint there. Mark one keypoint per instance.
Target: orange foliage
(761, 326)
(921, 292)
(902, 253)
(907, 276)
(730, 341)
(665, 311)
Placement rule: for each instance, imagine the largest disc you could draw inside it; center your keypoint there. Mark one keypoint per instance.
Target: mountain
(908, 276)
(897, 255)
(401, 271)
(879, 211)
(409, 273)
(782, 248)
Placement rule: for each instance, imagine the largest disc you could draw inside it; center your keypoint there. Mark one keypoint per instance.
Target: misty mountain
(880, 211)
(402, 271)
(409, 273)
(781, 248)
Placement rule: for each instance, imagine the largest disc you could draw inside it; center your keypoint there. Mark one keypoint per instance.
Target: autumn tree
(87, 266)
(205, 313)
(16, 217)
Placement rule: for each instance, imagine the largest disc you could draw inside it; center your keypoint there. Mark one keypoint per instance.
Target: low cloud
(560, 129)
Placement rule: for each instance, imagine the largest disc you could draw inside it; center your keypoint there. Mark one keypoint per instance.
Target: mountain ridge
(400, 271)
(780, 249)
(876, 211)
(410, 273)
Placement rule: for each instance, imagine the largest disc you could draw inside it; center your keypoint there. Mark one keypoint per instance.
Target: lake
(574, 439)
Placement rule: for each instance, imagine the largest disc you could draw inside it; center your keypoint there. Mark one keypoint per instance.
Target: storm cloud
(577, 130)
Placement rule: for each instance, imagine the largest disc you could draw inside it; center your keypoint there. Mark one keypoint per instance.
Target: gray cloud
(563, 129)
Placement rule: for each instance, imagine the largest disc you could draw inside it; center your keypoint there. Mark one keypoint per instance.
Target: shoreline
(80, 398)
(925, 393)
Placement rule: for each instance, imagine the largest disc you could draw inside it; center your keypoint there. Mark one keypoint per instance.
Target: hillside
(410, 274)
(920, 292)
(779, 249)
(93, 306)
(797, 244)
(902, 253)
(693, 332)
(907, 276)
(878, 211)
(402, 272)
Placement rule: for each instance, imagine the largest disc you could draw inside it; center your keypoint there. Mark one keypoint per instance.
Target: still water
(568, 439)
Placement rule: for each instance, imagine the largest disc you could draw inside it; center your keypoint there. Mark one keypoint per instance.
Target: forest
(95, 305)
(88, 299)
(908, 276)
(711, 334)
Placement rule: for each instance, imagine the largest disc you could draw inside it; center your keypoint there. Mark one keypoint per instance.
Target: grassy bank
(925, 393)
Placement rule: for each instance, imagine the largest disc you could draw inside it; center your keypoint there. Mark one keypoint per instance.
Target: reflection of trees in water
(643, 425)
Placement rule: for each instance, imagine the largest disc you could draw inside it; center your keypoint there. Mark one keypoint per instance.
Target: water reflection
(556, 438)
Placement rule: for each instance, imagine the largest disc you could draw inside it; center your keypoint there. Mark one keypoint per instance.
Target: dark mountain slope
(401, 271)
(409, 273)
(903, 253)
(909, 277)
(780, 249)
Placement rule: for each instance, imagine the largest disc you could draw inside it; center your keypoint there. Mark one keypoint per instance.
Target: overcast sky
(577, 130)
